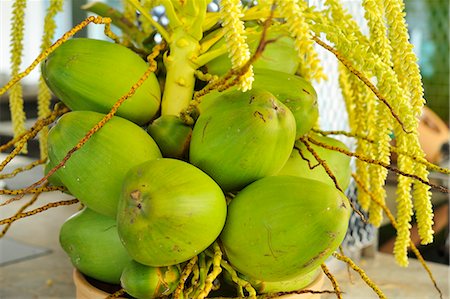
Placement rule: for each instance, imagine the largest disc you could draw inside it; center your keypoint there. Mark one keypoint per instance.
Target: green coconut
(94, 173)
(242, 137)
(281, 227)
(172, 136)
(308, 166)
(169, 212)
(145, 282)
(294, 91)
(93, 245)
(90, 74)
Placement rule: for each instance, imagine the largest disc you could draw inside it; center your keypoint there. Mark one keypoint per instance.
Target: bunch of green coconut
(157, 192)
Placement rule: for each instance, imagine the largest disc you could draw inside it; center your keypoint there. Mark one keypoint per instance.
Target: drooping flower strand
(342, 19)
(363, 119)
(370, 64)
(407, 70)
(374, 14)
(381, 152)
(238, 49)
(16, 105)
(293, 11)
(423, 207)
(403, 57)
(44, 94)
(341, 30)
(360, 101)
(404, 210)
(355, 109)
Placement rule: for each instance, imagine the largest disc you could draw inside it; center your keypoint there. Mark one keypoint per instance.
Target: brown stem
(32, 132)
(299, 150)
(30, 191)
(373, 161)
(116, 294)
(333, 281)
(394, 149)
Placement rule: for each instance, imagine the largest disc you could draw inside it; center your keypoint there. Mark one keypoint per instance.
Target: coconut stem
(180, 79)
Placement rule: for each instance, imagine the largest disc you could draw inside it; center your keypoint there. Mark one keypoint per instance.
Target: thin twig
(32, 132)
(332, 280)
(38, 210)
(116, 294)
(22, 208)
(22, 169)
(31, 191)
(380, 163)
(361, 272)
(393, 148)
(22, 140)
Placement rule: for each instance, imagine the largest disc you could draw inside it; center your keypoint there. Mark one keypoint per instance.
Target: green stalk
(184, 44)
(211, 55)
(180, 79)
(211, 20)
(212, 38)
(165, 35)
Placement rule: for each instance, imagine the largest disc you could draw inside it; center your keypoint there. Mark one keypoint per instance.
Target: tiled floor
(46, 276)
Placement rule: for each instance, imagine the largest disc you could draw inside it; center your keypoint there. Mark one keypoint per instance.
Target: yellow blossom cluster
(238, 49)
(292, 11)
(386, 58)
(18, 116)
(381, 150)
(405, 65)
(44, 94)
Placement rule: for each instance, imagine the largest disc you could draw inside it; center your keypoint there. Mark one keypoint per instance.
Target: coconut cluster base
(87, 290)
